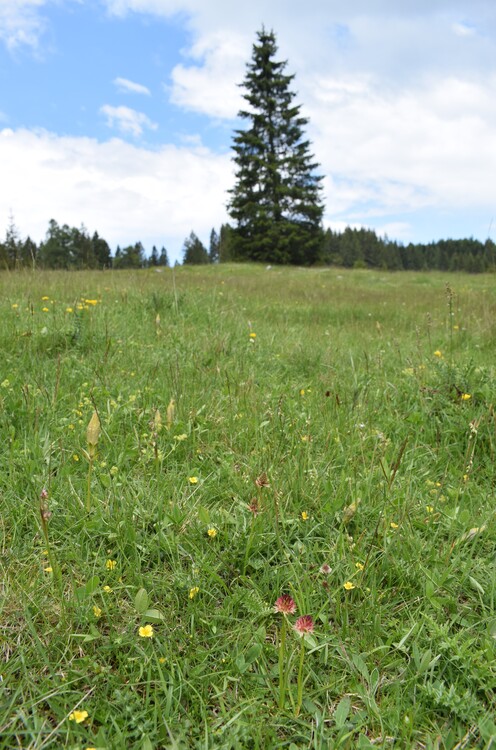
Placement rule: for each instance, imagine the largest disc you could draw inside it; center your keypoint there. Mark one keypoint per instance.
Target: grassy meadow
(180, 450)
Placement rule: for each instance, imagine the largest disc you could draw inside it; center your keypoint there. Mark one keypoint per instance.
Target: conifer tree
(276, 201)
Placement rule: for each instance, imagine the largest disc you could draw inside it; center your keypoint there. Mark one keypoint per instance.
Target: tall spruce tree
(276, 201)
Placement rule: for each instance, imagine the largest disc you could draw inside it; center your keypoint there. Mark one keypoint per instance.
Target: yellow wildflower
(393, 525)
(78, 716)
(302, 392)
(438, 353)
(45, 309)
(466, 396)
(97, 611)
(359, 565)
(253, 335)
(107, 589)
(304, 515)
(193, 480)
(146, 631)
(110, 564)
(181, 437)
(48, 569)
(349, 586)
(193, 592)
(45, 298)
(212, 533)
(69, 309)
(429, 509)
(15, 306)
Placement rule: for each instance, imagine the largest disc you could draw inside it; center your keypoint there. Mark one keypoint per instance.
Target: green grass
(379, 466)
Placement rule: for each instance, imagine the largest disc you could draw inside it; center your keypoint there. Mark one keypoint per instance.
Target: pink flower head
(285, 605)
(44, 493)
(304, 625)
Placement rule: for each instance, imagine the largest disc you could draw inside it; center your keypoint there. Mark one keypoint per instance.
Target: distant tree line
(70, 248)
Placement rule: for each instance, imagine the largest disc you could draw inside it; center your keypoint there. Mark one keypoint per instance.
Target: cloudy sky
(118, 114)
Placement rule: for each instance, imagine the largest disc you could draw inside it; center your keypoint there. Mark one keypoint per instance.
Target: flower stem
(88, 492)
(282, 671)
(299, 698)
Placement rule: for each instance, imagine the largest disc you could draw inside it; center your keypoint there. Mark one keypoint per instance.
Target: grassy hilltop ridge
(323, 434)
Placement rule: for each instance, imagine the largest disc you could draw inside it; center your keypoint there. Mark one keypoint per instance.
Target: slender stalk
(299, 697)
(88, 488)
(282, 666)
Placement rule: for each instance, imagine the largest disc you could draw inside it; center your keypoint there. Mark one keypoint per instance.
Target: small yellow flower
(69, 309)
(349, 586)
(304, 515)
(193, 480)
(48, 569)
(466, 396)
(438, 353)
(78, 716)
(97, 611)
(110, 564)
(193, 592)
(107, 589)
(456, 328)
(75, 457)
(162, 660)
(15, 306)
(465, 477)
(212, 533)
(146, 631)
(44, 298)
(181, 437)
(45, 309)
(359, 565)
(91, 301)
(393, 525)
(253, 335)
(302, 392)
(429, 509)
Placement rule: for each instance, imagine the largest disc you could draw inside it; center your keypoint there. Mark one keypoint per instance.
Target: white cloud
(210, 86)
(127, 120)
(125, 192)
(390, 151)
(463, 29)
(21, 22)
(130, 87)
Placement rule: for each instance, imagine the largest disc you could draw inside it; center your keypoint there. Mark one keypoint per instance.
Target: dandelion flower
(253, 335)
(193, 480)
(438, 353)
(212, 533)
(304, 515)
(285, 605)
(45, 309)
(304, 625)
(110, 564)
(78, 716)
(349, 586)
(146, 631)
(193, 592)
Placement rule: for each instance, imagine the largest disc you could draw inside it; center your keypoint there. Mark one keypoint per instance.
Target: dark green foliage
(276, 201)
(213, 250)
(194, 251)
(132, 256)
(163, 258)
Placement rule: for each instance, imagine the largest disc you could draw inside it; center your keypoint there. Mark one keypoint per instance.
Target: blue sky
(119, 113)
